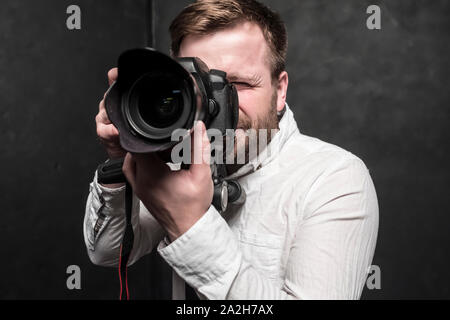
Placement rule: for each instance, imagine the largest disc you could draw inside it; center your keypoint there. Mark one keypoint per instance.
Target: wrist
(182, 227)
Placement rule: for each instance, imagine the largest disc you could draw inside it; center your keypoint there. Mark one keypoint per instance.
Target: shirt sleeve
(328, 258)
(104, 225)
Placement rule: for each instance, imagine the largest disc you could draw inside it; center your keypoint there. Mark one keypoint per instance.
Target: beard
(262, 127)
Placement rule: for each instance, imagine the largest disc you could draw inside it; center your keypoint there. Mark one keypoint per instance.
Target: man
(308, 227)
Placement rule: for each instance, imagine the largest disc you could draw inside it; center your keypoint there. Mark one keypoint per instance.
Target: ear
(283, 81)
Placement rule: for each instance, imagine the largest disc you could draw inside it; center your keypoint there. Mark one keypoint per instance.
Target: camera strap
(127, 244)
(108, 173)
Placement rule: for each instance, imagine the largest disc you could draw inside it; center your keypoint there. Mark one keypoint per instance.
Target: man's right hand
(106, 131)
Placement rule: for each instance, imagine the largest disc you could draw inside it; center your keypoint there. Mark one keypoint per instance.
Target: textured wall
(51, 81)
(382, 95)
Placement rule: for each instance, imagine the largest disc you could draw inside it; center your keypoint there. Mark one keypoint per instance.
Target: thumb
(201, 150)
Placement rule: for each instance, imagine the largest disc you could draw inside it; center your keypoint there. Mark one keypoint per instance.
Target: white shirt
(307, 230)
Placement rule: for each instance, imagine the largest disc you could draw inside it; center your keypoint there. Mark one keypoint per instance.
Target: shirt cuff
(207, 256)
(110, 198)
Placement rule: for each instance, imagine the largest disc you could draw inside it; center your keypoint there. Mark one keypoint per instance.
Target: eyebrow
(253, 79)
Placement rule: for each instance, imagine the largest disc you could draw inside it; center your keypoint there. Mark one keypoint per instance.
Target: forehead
(241, 49)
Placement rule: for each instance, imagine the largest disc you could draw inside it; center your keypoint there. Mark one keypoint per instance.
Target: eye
(241, 84)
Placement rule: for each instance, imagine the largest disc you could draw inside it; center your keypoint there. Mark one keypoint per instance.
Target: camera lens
(158, 104)
(160, 109)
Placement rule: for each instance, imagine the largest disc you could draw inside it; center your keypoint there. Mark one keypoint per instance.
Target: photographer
(308, 227)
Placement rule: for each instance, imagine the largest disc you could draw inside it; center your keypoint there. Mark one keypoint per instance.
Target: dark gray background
(383, 95)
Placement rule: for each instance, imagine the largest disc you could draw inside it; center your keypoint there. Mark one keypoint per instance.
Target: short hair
(208, 16)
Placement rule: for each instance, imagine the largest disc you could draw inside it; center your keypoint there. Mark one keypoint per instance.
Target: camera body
(155, 95)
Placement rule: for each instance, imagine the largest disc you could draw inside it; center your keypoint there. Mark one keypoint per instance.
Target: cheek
(244, 102)
(253, 103)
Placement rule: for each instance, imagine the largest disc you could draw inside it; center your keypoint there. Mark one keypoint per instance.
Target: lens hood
(141, 76)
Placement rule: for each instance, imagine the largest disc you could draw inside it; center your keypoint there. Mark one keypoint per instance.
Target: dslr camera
(154, 95)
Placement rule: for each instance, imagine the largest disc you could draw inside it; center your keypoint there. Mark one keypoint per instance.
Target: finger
(111, 131)
(112, 75)
(101, 105)
(107, 132)
(129, 169)
(102, 117)
(201, 150)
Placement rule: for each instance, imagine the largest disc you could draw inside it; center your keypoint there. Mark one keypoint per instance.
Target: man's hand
(177, 199)
(106, 131)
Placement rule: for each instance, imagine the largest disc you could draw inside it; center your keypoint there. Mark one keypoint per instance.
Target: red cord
(120, 276)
